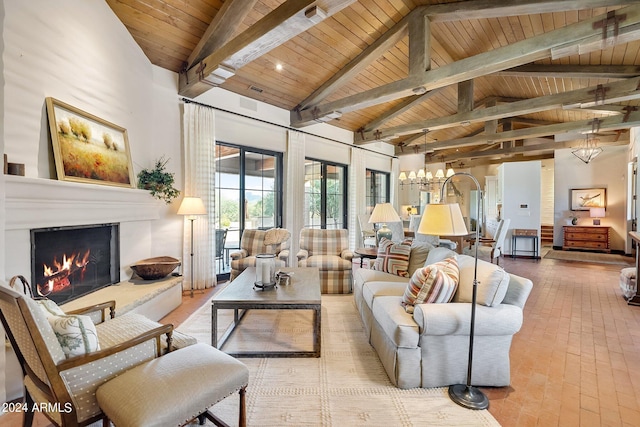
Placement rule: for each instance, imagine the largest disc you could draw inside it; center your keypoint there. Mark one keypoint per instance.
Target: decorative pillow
(493, 282)
(393, 258)
(49, 308)
(435, 283)
(419, 252)
(76, 334)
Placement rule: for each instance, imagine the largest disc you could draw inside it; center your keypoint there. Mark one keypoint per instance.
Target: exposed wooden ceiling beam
(581, 126)
(360, 62)
(399, 109)
(619, 91)
(557, 42)
(221, 28)
(464, 10)
(283, 23)
(573, 71)
(523, 149)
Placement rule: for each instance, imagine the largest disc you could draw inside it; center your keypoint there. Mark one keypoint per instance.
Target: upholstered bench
(175, 388)
(628, 282)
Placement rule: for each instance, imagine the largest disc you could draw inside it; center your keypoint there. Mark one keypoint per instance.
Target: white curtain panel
(357, 188)
(395, 171)
(294, 191)
(199, 174)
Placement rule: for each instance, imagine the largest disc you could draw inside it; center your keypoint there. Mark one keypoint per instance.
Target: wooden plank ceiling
(467, 82)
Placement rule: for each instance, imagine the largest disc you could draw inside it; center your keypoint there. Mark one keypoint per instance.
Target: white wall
(609, 171)
(80, 53)
(521, 199)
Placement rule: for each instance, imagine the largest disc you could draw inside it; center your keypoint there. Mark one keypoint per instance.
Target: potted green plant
(158, 181)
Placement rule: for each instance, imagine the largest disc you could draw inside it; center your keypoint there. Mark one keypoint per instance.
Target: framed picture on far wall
(87, 148)
(584, 199)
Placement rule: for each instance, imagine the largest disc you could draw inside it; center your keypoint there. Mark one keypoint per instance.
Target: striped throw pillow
(393, 257)
(435, 283)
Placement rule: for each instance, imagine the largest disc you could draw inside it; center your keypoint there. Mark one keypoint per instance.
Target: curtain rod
(190, 101)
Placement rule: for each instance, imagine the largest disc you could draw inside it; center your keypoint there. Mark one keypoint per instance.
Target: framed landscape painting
(87, 148)
(585, 198)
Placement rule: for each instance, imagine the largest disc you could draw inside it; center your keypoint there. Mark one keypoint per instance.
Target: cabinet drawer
(585, 244)
(586, 236)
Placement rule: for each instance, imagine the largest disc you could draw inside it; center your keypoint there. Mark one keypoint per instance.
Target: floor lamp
(191, 207)
(443, 219)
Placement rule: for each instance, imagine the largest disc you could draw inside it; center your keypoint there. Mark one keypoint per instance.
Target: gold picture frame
(87, 148)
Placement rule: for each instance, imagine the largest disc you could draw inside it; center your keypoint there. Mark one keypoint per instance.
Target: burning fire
(57, 276)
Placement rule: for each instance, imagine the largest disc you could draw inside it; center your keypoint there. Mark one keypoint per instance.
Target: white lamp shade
(439, 173)
(412, 175)
(402, 176)
(429, 175)
(421, 173)
(384, 212)
(596, 213)
(450, 172)
(192, 206)
(442, 220)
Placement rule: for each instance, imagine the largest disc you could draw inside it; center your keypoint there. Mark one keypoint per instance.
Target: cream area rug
(346, 386)
(591, 257)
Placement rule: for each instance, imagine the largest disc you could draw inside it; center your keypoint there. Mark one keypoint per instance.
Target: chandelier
(424, 179)
(588, 150)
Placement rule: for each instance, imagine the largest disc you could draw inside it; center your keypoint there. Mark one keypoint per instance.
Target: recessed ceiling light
(279, 66)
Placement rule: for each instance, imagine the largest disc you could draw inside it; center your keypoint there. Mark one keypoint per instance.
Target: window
(248, 192)
(377, 188)
(325, 195)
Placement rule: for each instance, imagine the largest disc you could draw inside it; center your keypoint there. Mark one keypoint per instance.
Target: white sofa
(429, 348)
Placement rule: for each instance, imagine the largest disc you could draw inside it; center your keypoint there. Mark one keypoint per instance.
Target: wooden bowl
(155, 268)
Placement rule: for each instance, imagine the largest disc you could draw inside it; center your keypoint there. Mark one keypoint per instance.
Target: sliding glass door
(325, 195)
(248, 194)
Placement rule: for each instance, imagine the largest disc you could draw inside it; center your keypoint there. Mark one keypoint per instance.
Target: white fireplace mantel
(37, 203)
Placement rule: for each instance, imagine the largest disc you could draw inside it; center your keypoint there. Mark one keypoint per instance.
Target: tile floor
(576, 360)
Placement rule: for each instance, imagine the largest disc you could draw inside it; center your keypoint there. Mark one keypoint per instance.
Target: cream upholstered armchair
(490, 249)
(254, 242)
(328, 250)
(66, 360)
(367, 230)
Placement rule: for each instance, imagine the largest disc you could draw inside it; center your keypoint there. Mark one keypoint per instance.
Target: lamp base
(385, 232)
(468, 396)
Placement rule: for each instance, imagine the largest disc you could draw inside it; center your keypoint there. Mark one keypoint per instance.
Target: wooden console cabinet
(590, 238)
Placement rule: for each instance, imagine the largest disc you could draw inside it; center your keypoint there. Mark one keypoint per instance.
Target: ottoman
(173, 389)
(628, 282)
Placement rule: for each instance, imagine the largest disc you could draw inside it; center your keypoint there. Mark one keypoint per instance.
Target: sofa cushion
(493, 282)
(438, 254)
(397, 324)
(372, 290)
(419, 253)
(435, 283)
(393, 257)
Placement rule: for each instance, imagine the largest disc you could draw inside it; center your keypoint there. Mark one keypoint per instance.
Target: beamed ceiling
(472, 81)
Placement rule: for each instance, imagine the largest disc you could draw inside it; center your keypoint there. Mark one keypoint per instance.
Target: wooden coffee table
(302, 293)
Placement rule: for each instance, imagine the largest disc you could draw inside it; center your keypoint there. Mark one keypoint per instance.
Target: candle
(259, 268)
(266, 273)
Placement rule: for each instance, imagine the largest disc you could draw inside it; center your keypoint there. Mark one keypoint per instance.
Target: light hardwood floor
(576, 360)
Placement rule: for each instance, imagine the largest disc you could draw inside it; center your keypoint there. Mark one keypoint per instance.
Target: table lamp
(446, 219)
(382, 214)
(596, 213)
(191, 207)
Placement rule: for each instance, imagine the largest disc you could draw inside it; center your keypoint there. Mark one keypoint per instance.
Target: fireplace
(68, 262)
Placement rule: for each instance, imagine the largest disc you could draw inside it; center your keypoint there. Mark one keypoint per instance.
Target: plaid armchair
(328, 250)
(254, 242)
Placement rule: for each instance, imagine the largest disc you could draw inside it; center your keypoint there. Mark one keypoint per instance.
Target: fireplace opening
(68, 262)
